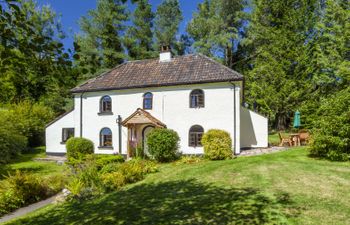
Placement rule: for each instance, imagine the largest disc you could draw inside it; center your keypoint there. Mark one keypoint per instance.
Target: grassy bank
(281, 188)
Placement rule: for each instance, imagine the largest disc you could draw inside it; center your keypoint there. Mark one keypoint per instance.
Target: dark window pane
(195, 136)
(106, 137)
(147, 100)
(106, 104)
(67, 133)
(197, 99)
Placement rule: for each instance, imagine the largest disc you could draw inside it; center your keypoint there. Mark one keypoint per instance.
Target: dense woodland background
(294, 54)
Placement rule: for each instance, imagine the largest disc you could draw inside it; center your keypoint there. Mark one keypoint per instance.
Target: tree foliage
(33, 61)
(167, 21)
(100, 44)
(217, 28)
(139, 36)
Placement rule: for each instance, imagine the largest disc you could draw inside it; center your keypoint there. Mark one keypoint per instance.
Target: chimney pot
(165, 53)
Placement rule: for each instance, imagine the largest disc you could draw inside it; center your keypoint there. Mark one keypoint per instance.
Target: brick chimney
(165, 53)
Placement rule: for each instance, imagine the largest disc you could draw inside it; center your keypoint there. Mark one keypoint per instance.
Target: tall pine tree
(279, 33)
(167, 21)
(139, 36)
(217, 29)
(100, 45)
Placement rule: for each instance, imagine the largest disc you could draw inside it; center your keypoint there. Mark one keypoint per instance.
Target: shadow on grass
(175, 202)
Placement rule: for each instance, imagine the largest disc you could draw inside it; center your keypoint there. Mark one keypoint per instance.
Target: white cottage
(189, 94)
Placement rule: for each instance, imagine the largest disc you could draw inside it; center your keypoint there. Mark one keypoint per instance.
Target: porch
(139, 125)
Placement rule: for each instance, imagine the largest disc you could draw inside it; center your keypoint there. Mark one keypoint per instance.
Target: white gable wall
(53, 134)
(254, 129)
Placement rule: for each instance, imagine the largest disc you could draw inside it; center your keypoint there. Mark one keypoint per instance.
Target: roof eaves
(158, 85)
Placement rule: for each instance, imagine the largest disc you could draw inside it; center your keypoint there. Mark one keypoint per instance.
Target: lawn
(280, 188)
(26, 162)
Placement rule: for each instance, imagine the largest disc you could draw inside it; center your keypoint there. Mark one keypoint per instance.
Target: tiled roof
(181, 70)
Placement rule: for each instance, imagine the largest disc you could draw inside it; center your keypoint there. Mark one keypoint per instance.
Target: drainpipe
(234, 117)
(119, 121)
(81, 114)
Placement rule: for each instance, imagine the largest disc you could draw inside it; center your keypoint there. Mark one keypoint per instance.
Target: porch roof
(141, 116)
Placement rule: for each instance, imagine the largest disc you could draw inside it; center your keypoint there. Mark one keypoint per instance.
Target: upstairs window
(106, 137)
(197, 99)
(106, 104)
(67, 133)
(195, 136)
(148, 100)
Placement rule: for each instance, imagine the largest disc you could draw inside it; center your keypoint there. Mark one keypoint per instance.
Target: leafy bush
(78, 148)
(30, 119)
(88, 180)
(163, 144)
(85, 181)
(113, 180)
(11, 141)
(217, 144)
(331, 133)
(102, 160)
(20, 189)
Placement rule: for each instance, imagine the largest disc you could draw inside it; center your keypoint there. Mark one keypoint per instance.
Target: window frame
(145, 98)
(102, 139)
(102, 106)
(199, 103)
(65, 129)
(196, 135)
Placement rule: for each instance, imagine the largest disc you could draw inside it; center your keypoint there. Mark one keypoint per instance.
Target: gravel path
(260, 151)
(27, 209)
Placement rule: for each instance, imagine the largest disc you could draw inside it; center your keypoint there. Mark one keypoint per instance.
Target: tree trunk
(281, 121)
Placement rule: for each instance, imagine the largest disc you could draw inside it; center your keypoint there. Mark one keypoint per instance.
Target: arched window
(106, 137)
(197, 99)
(148, 100)
(106, 104)
(195, 136)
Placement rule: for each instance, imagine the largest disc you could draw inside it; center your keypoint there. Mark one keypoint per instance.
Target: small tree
(217, 144)
(163, 144)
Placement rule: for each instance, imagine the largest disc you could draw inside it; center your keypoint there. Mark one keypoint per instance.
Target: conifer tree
(217, 28)
(139, 36)
(100, 44)
(167, 21)
(279, 33)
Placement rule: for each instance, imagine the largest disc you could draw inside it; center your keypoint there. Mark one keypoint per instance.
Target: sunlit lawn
(280, 188)
(26, 162)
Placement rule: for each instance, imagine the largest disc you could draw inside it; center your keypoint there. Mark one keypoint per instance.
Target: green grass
(26, 162)
(280, 188)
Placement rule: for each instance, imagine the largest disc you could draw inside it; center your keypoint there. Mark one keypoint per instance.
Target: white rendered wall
(54, 133)
(170, 105)
(254, 129)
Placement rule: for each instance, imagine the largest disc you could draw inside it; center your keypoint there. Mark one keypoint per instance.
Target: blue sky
(71, 10)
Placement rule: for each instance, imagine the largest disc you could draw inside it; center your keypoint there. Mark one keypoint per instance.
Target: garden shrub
(163, 144)
(85, 181)
(217, 144)
(30, 120)
(23, 188)
(102, 160)
(78, 148)
(113, 181)
(331, 133)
